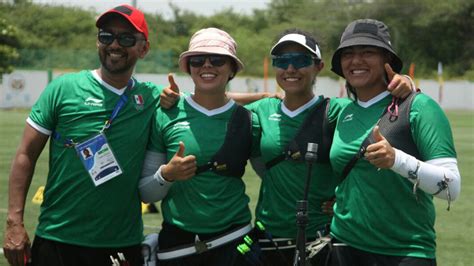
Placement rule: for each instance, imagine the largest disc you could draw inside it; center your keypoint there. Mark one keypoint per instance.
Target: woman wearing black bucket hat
(384, 213)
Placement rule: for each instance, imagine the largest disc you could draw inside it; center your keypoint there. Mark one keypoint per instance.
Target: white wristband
(160, 177)
(153, 188)
(413, 86)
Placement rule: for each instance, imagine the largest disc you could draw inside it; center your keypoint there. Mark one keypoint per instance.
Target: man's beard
(111, 67)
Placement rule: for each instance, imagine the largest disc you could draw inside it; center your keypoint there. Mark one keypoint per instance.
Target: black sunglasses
(215, 60)
(124, 39)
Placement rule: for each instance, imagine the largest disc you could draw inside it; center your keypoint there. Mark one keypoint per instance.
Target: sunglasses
(123, 39)
(297, 60)
(215, 60)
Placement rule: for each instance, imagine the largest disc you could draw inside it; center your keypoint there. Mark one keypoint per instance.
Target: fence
(39, 59)
(22, 88)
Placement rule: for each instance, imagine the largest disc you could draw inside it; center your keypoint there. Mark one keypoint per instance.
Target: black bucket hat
(369, 32)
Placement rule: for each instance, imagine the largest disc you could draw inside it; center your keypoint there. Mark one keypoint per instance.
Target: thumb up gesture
(381, 154)
(170, 95)
(399, 86)
(180, 167)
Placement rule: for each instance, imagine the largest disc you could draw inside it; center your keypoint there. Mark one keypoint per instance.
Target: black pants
(46, 252)
(172, 237)
(346, 255)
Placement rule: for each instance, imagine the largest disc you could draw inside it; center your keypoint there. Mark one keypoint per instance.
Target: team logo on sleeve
(348, 118)
(139, 103)
(275, 117)
(182, 125)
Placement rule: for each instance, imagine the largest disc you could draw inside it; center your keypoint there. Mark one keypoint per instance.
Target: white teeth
(358, 71)
(115, 55)
(208, 75)
(291, 79)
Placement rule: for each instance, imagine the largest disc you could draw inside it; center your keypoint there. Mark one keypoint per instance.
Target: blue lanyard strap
(118, 106)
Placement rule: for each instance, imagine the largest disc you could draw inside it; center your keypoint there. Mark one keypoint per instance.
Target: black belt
(280, 243)
(202, 246)
(285, 243)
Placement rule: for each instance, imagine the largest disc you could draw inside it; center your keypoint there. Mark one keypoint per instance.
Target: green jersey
(207, 202)
(284, 183)
(75, 211)
(376, 211)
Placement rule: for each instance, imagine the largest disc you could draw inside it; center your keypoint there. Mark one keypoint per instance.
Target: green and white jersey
(284, 183)
(74, 211)
(376, 211)
(207, 202)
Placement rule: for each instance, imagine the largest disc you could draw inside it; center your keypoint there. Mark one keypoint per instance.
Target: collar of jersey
(207, 112)
(108, 86)
(302, 108)
(374, 100)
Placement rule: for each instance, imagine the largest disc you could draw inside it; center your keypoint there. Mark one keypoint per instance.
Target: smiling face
(297, 81)
(209, 77)
(116, 59)
(363, 68)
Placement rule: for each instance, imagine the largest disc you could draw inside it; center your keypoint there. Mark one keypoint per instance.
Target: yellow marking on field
(38, 197)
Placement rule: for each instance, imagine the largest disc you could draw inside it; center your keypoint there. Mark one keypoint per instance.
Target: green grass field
(455, 229)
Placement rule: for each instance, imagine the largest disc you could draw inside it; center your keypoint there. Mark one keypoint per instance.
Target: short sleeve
(431, 129)
(156, 141)
(43, 112)
(336, 105)
(256, 135)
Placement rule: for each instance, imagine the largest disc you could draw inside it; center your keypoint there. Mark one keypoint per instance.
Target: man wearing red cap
(91, 208)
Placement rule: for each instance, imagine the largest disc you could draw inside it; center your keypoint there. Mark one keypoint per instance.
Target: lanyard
(118, 106)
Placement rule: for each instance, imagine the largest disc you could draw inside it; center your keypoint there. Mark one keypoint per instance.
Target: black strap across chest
(315, 129)
(231, 158)
(395, 128)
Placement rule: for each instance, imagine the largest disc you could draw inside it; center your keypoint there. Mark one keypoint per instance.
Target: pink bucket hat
(210, 41)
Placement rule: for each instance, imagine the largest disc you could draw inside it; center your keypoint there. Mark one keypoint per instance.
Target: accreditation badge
(98, 159)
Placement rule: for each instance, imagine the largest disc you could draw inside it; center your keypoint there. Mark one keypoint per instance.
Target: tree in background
(9, 42)
(424, 32)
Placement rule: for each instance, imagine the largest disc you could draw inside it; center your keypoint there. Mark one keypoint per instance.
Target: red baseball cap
(133, 15)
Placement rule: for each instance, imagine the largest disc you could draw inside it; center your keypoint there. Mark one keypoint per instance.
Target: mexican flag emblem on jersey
(138, 101)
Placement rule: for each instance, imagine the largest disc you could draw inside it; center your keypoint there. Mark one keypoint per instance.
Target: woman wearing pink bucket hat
(211, 41)
(202, 146)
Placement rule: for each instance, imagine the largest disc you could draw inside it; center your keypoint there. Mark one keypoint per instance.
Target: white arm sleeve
(153, 187)
(430, 173)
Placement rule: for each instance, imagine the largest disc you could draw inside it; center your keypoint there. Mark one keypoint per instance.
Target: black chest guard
(396, 128)
(315, 129)
(231, 158)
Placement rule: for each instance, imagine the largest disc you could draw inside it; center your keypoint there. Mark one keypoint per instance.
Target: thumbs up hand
(399, 86)
(377, 135)
(170, 95)
(381, 154)
(180, 167)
